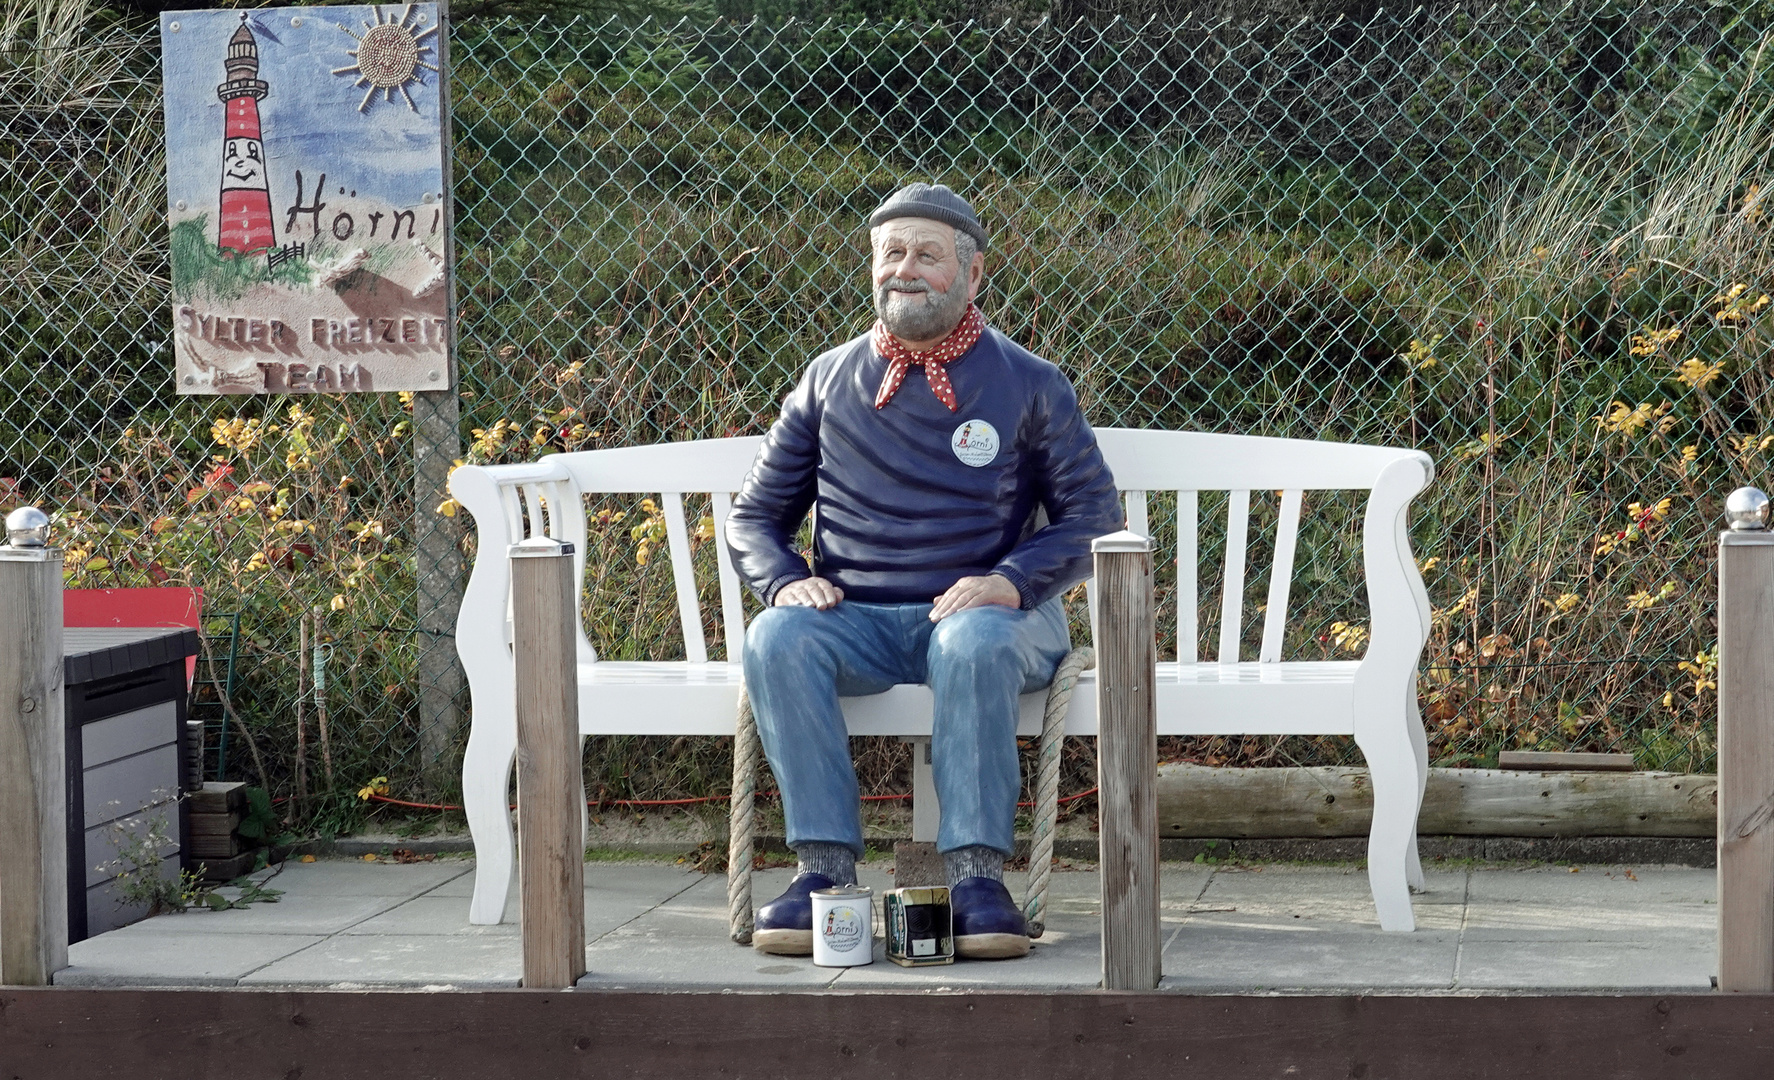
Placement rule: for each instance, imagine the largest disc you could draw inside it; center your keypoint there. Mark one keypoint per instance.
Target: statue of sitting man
(928, 449)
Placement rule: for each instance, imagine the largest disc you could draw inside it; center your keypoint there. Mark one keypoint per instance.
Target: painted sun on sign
(309, 228)
(389, 56)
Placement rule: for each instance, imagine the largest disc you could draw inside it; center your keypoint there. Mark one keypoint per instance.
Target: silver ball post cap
(27, 527)
(1746, 509)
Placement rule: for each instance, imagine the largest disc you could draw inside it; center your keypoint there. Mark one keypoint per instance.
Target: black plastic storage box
(126, 698)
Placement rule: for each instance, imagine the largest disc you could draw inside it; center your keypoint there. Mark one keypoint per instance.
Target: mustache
(907, 285)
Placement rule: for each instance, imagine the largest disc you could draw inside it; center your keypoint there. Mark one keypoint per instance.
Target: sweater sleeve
(1077, 491)
(776, 496)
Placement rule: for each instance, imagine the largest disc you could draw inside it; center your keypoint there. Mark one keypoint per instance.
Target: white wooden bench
(1374, 699)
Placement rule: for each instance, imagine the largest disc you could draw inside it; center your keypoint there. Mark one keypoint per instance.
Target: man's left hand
(972, 592)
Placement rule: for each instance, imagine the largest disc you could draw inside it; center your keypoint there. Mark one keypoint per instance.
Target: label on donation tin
(843, 926)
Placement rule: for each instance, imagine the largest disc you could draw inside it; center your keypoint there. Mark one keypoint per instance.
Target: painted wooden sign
(306, 190)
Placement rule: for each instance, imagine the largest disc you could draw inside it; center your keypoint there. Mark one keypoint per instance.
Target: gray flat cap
(933, 201)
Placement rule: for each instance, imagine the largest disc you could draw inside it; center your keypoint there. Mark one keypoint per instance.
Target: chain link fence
(1531, 243)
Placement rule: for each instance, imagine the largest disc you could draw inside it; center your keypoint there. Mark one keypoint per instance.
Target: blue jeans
(800, 660)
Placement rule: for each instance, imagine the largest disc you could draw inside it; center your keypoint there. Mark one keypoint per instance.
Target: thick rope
(1053, 731)
(741, 822)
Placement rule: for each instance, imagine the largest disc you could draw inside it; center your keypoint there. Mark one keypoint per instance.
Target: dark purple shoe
(988, 924)
(784, 926)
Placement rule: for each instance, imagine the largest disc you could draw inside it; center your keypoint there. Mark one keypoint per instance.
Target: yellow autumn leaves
(1731, 307)
(653, 531)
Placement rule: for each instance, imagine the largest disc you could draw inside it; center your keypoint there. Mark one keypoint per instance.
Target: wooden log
(225, 846)
(1563, 761)
(207, 824)
(550, 775)
(1198, 801)
(218, 797)
(33, 769)
(1127, 762)
(1746, 762)
(225, 868)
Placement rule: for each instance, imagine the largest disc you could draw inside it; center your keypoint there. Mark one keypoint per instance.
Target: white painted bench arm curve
(1397, 602)
(497, 496)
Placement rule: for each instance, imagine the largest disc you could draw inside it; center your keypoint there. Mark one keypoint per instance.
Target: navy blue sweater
(912, 497)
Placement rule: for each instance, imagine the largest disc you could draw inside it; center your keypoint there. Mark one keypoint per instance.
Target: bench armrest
(510, 503)
(1397, 601)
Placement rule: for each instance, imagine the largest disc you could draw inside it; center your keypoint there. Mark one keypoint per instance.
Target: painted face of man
(243, 164)
(921, 288)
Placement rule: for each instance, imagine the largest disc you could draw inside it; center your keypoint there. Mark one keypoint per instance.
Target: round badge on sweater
(975, 443)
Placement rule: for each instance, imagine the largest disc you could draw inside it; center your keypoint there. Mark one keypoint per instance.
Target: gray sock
(976, 861)
(834, 861)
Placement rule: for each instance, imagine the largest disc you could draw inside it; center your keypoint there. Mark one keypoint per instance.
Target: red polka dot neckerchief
(900, 359)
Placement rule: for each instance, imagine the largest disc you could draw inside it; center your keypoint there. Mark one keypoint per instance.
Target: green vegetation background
(1531, 243)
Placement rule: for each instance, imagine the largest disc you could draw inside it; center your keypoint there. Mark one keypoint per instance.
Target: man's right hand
(813, 592)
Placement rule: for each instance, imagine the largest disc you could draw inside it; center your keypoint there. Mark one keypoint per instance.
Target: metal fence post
(33, 771)
(1746, 746)
(437, 444)
(1127, 761)
(550, 779)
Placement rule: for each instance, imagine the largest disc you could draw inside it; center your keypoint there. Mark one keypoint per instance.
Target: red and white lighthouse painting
(313, 257)
(246, 226)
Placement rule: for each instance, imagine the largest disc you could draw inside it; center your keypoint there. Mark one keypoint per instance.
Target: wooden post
(1746, 761)
(33, 771)
(550, 779)
(1127, 762)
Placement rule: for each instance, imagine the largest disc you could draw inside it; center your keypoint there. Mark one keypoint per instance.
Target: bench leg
(926, 812)
(1392, 767)
(1413, 722)
(486, 780)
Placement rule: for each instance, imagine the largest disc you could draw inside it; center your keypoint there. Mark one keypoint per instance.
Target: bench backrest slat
(683, 575)
(1281, 575)
(1232, 592)
(1188, 577)
(513, 506)
(1136, 512)
(732, 596)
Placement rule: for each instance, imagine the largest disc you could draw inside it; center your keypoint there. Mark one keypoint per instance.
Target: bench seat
(1312, 697)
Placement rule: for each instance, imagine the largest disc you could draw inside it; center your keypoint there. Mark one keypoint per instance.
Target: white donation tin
(843, 926)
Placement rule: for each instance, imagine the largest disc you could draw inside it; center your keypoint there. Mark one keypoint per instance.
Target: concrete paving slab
(1586, 921)
(297, 913)
(1063, 959)
(145, 959)
(1079, 893)
(1312, 885)
(354, 877)
(1608, 885)
(1684, 963)
(1230, 929)
(1327, 896)
(1218, 953)
(631, 876)
(432, 916)
(610, 903)
(683, 943)
(461, 961)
